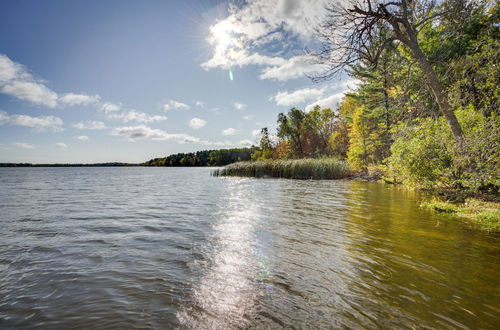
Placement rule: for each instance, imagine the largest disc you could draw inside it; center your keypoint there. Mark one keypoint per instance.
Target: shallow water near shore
(177, 248)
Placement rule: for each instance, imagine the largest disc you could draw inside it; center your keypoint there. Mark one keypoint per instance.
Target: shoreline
(480, 210)
(483, 211)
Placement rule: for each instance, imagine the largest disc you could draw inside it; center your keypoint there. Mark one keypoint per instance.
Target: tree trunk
(439, 93)
(387, 114)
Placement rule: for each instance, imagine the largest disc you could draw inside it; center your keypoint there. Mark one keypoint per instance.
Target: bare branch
(360, 32)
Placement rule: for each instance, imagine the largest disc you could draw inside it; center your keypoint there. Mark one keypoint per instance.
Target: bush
(425, 155)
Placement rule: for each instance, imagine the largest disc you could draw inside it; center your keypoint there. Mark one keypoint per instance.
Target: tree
(318, 126)
(377, 83)
(265, 150)
(290, 127)
(364, 28)
(265, 140)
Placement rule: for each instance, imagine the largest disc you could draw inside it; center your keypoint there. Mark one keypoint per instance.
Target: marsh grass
(322, 168)
(484, 214)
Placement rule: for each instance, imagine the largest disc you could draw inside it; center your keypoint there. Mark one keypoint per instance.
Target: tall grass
(322, 168)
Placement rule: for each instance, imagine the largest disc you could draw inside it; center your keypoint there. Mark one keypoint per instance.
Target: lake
(168, 248)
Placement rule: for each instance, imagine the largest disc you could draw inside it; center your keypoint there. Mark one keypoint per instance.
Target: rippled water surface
(177, 248)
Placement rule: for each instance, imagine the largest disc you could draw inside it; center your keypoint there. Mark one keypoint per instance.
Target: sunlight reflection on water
(226, 293)
(158, 248)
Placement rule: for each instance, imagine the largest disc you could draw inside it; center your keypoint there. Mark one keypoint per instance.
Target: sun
(222, 35)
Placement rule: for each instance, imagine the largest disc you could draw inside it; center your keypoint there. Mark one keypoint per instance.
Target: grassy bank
(322, 168)
(484, 214)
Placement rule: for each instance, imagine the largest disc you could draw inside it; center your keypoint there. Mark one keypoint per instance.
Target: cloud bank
(18, 82)
(246, 36)
(297, 97)
(39, 124)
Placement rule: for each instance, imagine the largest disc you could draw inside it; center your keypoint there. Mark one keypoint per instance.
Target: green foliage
(308, 134)
(481, 155)
(291, 128)
(419, 155)
(338, 143)
(265, 150)
(424, 154)
(357, 156)
(483, 214)
(223, 157)
(394, 121)
(362, 140)
(477, 78)
(219, 157)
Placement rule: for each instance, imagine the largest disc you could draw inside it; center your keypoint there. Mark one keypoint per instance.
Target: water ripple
(176, 248)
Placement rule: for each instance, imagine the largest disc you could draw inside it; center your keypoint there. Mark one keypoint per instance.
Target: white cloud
(256, 132)
(137, 116)
(331, 102)
(82, 138)
(200, 104)
(298, 96)
(4, 117)
(61, 145)
(239, 106)
(175, 105)
(31, 91)
(252, 26)
(229, 131)
(108, 107)
(17, 81)
(141, 132)
(24, 145)
(294, 16)
(241, 58)
(90, 124)
(197, 123)
(295, 67)
(219, 144)
(248, 117)
(246, 143)
(78, 99)
(40, 124)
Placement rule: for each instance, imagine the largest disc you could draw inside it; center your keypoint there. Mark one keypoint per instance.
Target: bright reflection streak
(228, 290)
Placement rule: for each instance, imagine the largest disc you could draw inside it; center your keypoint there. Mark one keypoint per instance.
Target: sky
(127, 81)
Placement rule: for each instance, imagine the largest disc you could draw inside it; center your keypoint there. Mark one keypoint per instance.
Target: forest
(425, 111)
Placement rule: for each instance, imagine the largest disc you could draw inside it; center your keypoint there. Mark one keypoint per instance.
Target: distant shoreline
(96, 165)
(113, 164)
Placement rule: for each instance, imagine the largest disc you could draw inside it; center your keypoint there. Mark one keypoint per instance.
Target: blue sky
(97, 81)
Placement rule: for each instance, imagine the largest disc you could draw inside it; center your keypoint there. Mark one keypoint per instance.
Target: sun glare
(222, 35)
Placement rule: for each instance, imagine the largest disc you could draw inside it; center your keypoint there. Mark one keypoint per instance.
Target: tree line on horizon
(218, 157)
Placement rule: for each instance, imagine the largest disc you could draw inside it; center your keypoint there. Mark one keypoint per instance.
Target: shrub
(425, 155)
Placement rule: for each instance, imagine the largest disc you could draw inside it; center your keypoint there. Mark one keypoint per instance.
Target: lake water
(176, 248)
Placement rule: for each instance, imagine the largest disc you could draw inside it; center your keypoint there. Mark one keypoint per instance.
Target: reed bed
(317, 169)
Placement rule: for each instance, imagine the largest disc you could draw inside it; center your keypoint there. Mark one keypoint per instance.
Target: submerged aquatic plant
(483, 214)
